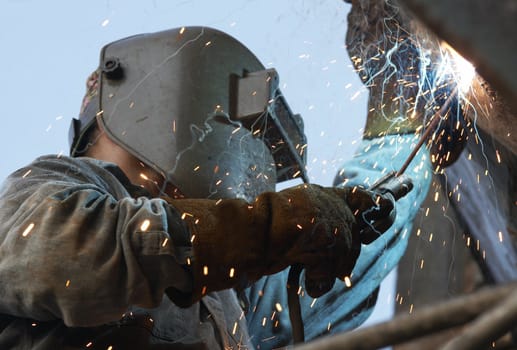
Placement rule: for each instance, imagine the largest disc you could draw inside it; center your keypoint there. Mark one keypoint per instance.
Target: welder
(165, 211)
(162, 229)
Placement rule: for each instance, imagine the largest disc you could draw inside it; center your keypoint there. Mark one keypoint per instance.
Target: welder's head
(197, 107)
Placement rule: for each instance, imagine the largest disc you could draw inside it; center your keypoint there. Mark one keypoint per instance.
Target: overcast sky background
(50, 47)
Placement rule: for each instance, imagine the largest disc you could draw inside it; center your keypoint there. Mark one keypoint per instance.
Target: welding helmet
(198, 107)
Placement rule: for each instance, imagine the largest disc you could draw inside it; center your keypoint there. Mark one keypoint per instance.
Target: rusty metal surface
(484, 31)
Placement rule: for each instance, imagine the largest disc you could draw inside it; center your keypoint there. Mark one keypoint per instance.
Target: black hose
(293, 301)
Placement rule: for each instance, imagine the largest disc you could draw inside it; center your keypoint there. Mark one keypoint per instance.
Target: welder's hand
(327, 244)
(373, 215)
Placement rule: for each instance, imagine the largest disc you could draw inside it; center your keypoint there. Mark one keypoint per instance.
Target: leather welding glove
(235, 241)
(374, 213)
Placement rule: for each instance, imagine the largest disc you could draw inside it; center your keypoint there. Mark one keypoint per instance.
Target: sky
(50, 47)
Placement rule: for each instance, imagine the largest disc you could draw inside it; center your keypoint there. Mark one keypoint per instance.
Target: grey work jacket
(85, 260)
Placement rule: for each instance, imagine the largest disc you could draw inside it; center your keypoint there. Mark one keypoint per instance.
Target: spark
(348, 282)
(232, 272)
(27, 173)
(185, 214)
(28, 230)
(145, 225)
(182, 30)
(165, 241)
(205, 270)
(498, 156)
(105, 22)
(500, 236)
(313, 302)
(278, 307)
(234, 330)
(354, 96)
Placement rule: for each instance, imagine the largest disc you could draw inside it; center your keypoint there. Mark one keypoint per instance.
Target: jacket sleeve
(347, 306)
(74, 247)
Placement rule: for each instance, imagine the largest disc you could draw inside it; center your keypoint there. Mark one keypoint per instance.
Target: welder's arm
(74, 247)
(318, 228)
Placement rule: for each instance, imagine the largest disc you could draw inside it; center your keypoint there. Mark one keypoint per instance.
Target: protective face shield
(198, 107)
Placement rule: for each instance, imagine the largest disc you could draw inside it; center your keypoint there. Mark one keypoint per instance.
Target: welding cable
(293, 301)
